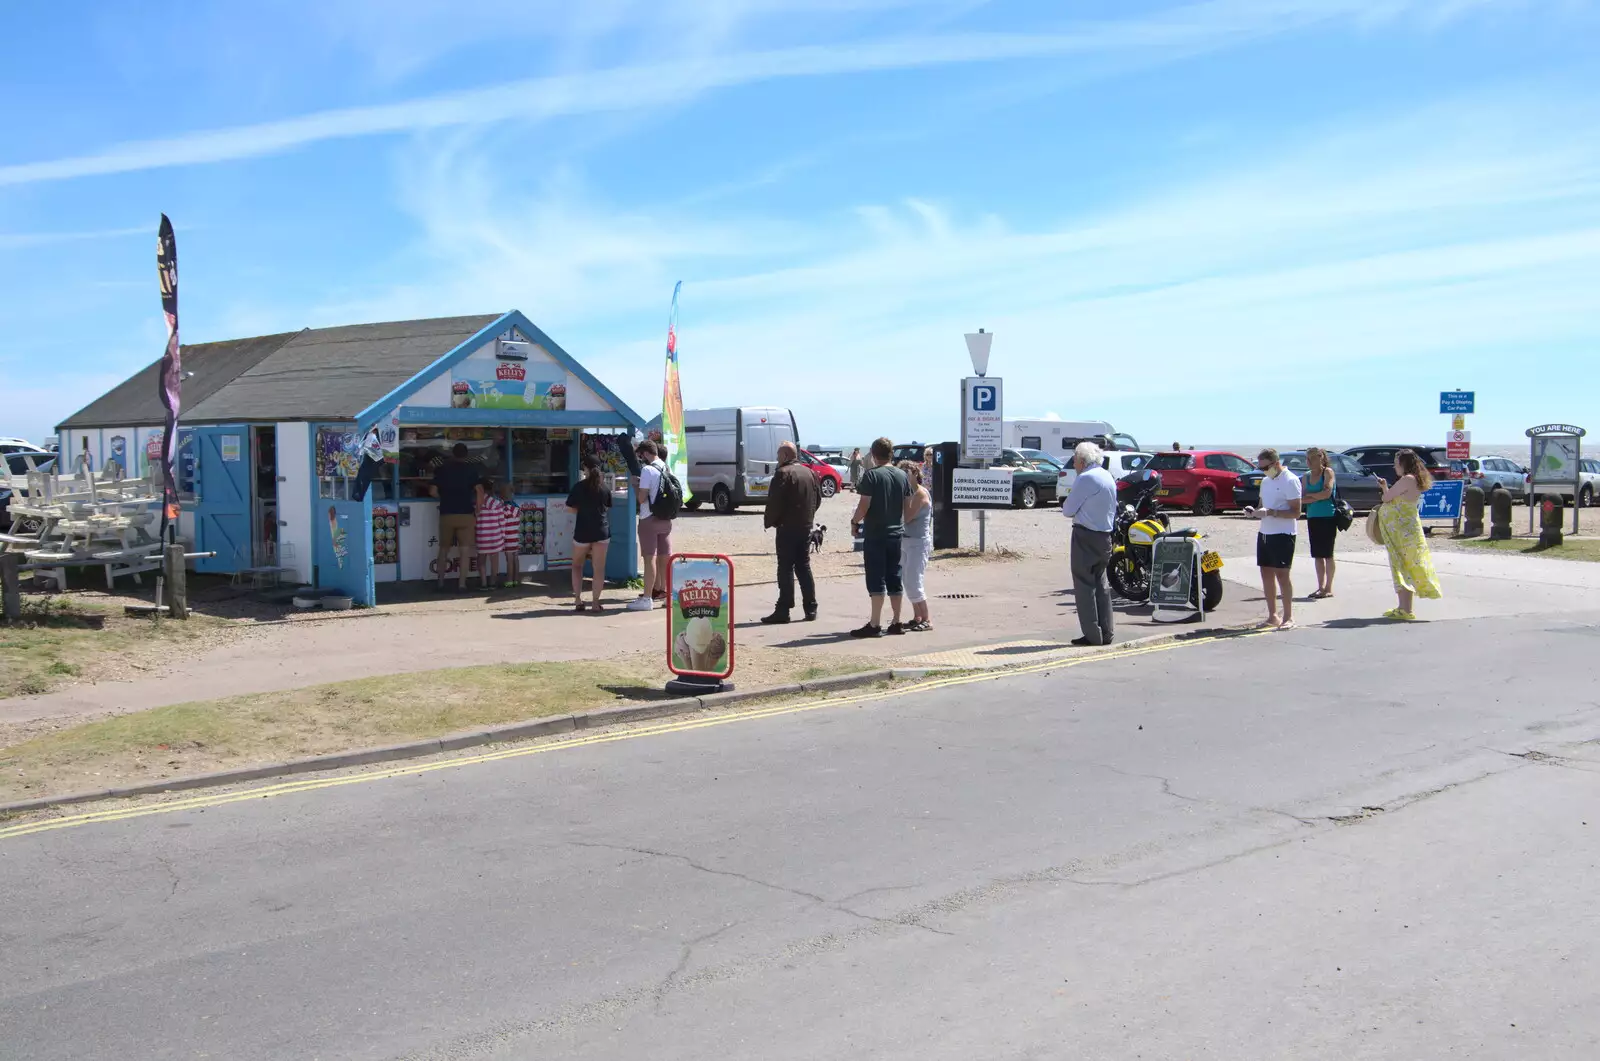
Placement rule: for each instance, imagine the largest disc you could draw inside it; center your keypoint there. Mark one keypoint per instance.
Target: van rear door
(760, 455)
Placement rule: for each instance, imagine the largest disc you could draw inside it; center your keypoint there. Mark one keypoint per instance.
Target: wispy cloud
(1473, 224)
(24, 240)
(1172, 33)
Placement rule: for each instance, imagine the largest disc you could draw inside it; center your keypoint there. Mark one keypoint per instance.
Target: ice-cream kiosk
(318, 447)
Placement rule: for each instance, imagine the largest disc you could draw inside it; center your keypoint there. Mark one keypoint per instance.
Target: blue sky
(1223, 220)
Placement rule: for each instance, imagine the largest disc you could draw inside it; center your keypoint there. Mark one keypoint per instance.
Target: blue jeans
(882, 559)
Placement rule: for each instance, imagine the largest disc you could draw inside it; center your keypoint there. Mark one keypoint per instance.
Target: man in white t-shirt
(655, 533)
(1280, 508)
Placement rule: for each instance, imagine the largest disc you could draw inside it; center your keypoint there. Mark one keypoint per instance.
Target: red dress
(491, 526)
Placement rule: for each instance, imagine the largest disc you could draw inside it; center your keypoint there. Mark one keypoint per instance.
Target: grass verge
(60, 639)
(204, 736)
(1571, 549)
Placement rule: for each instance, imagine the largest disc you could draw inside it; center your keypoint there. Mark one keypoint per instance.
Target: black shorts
(881, 557)
(1274, 550)
(1322, 531)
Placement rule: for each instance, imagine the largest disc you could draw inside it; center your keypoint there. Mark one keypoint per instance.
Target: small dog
(818, 530)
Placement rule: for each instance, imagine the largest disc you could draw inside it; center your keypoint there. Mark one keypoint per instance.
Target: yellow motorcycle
(1133, 539)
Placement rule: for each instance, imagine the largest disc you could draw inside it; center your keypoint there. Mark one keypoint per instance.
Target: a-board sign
(700, 615)
(982, 418)
(981, 488)
(1457, 445)
(1442, 500)
(1457, 401)
(1172, 571)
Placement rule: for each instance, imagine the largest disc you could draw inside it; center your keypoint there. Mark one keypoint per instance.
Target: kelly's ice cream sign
(509, 375)
(700, 619)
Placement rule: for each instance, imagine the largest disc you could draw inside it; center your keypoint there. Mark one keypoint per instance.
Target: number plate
(1168, 491)
(1211, 562)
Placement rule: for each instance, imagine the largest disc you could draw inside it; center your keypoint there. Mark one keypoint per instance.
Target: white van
(733, 453)
(1060, 437)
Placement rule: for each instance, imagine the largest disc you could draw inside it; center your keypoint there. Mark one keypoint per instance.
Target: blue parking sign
(985, 397)
(1458, 401)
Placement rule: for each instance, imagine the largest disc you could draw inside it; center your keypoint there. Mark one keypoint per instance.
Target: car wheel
(1029, 498)
(829, 488)
(1205, 502)
(1586, 496)
(722, 500)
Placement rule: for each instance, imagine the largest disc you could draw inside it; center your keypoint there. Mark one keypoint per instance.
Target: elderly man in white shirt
(1092, 507)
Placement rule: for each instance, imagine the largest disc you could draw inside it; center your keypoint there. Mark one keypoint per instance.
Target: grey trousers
(1091, 555)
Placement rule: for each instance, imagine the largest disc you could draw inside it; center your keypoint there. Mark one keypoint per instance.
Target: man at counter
(453, 484)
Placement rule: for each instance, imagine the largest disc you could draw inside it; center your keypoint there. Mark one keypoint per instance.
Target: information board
(1457, 445)
(982, 418)
(1457, 402)
(1442, 500)
(1172, 571)
(981, 488)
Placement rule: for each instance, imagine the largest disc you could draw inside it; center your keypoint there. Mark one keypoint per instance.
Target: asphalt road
(1159, 856)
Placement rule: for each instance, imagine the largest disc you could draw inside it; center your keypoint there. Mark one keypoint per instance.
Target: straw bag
(1374, 528)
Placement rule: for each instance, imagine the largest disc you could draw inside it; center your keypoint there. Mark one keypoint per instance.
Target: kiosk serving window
(541, 461)
(423, 449)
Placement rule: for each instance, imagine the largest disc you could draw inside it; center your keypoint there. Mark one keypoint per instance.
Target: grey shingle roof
(135, 402)
(334, 373)
(316, 374)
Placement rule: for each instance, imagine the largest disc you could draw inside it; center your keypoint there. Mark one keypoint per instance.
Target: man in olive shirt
(792, 502)
(880, 519)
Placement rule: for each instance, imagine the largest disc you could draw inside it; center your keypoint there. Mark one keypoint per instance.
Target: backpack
(668, 501)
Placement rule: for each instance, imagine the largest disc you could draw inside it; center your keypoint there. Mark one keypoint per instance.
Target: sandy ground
(1019, 589)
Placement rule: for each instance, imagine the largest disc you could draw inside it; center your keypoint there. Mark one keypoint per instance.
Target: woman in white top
(916, 548)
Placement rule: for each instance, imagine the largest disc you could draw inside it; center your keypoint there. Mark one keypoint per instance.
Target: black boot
(777, 618)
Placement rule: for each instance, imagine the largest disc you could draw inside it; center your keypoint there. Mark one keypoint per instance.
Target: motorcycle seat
(1185, 532)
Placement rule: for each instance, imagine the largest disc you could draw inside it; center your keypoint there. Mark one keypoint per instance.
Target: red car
(828, 477)
(1201, 480)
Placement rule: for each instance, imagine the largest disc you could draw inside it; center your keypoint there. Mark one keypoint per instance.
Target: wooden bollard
(10, 587)
(177, 581)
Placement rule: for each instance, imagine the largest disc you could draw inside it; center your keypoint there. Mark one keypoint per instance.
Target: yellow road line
(518, 751)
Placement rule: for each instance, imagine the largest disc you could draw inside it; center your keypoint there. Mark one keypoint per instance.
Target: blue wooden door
(222, 498)
(342, 531)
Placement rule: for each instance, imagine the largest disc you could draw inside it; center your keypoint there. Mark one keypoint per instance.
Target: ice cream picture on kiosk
(700, 618)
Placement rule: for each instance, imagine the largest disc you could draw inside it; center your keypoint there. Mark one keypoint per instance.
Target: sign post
(1457, 404)
(1553, 464)
(699, 623)
(983, 436)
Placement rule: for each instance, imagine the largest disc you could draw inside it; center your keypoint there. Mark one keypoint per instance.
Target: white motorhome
(1060, 436)
(734, 452)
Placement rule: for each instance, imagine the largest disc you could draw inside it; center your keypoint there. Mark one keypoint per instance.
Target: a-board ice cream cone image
(701, 616)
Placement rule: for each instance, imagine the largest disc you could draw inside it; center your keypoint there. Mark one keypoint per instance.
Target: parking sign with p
(982, 418)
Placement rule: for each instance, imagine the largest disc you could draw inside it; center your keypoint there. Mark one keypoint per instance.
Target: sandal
(580, 606)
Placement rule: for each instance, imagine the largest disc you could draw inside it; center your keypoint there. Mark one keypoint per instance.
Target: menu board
(385, 536)
(532, 527)
(558, 533)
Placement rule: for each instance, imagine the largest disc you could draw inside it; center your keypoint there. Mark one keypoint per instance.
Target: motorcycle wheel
(1128, 579)
(1211, 583)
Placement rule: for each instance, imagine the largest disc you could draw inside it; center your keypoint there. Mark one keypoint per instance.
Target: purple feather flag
(171, 372)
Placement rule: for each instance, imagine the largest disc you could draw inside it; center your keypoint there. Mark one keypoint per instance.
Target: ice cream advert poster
(517, 375)
(700, 617)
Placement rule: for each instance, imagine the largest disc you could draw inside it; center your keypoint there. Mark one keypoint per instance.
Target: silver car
(1487, 471)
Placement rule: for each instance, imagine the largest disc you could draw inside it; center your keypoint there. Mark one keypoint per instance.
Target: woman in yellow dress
(1410, 562)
